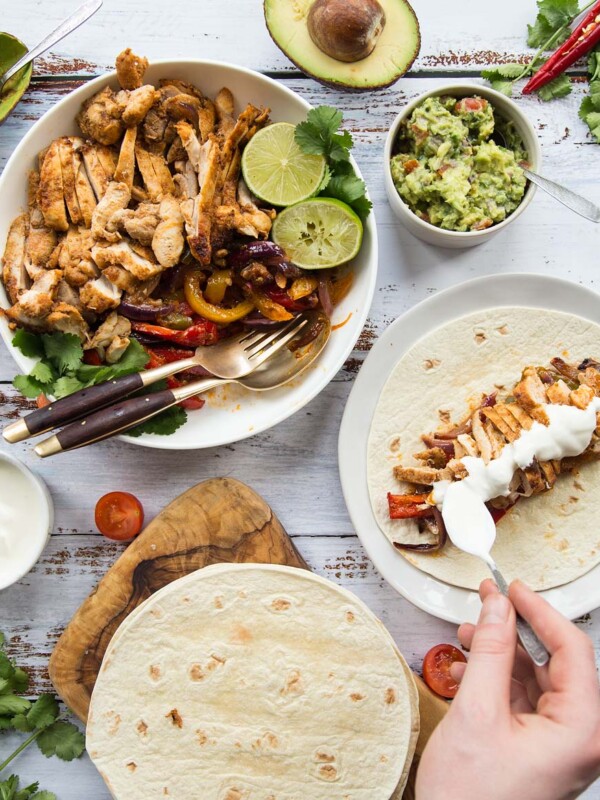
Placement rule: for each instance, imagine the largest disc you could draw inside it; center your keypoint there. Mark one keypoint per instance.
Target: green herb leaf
(63, 350)
(163, 424)
(559, 87)
(43, 373)
(62, 739)
(20, 680)
(6, 723)
(503, 76)
(43, 712)
(133, 359)
(28, 386)
(11, 704)
(552, 16)
(44, 796)
(21, 723)
(65, 386)
(351, 190)
(28, 343)
(315, 135)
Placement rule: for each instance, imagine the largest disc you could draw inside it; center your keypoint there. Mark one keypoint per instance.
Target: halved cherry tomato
(471, 104)
(119, 516)
(436, 669)
(41, 401)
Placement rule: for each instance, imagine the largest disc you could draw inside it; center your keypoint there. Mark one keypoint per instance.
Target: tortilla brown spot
(390, 696)
(175, 718)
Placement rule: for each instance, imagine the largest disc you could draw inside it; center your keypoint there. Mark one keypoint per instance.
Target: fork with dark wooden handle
(230, 358)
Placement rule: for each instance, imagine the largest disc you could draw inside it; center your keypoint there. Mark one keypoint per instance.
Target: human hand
(515, 730)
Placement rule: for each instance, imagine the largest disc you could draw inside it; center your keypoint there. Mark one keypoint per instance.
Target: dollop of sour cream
(24, 522)
(469, 524)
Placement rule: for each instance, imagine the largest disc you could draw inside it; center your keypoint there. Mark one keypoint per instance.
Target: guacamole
(449, 170)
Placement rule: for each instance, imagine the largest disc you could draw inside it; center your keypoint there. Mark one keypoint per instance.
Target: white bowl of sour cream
(26, 519)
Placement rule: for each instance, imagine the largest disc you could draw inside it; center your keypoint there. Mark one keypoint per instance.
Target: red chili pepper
(192, 403)
(200, 333)
(585, 36)
(407, 506)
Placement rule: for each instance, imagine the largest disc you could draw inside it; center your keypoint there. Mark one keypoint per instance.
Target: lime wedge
(277, 171)
(318, 233)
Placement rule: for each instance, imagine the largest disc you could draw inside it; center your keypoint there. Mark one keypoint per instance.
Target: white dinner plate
(233, 413)
(434, 596)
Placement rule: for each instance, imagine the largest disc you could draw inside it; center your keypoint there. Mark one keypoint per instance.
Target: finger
(465, 634)
(486, 588)
(487, 679)
(572, 667)
(525, 672)
(457, 670)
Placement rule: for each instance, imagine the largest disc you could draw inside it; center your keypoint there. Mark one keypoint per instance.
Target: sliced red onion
(254, 251)
(143, 312)
(258, 321)
(143, 338)
(325, 297)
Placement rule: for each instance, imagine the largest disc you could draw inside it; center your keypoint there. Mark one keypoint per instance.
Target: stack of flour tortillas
(253, 682)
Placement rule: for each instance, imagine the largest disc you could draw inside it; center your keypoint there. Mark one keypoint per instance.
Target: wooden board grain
(219, 520)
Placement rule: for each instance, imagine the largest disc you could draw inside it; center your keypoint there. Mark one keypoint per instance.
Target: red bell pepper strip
(408, 506)
(282, 297)
(203, 332)
(192, 403)
(585, 36)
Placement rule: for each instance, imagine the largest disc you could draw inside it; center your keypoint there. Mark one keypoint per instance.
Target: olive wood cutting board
(220, 520)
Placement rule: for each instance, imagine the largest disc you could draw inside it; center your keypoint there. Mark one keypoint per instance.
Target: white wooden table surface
(294, 466)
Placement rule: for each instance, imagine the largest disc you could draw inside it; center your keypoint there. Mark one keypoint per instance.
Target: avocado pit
(347, 30)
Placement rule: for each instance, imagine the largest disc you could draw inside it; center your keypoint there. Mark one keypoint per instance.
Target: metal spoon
(278, 370)
(66, 27)
(580, 205)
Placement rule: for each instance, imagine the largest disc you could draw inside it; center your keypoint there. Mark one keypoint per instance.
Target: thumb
(487, 679)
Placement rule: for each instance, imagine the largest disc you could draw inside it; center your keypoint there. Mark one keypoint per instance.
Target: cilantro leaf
(502, 77)
(351, 190)
(20, 680)
(11, 704)
(28, 386)
(314, 136)
(559, 87)
(62, 739)
(63, 351)
(553, 15)
(43, 373)
(28, 343)
(66, 385)
(163, 424)
(133, 359)
(9, 790)
(43, 796)
(21, 723)
(43, 712)
(6, 723)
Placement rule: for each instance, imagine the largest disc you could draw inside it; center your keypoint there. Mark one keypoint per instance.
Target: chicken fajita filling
(142, 227)
(493, 423)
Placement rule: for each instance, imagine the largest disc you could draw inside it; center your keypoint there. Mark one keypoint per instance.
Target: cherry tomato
(436, 669)
(42, 401)
(119, 516)
(471, 104)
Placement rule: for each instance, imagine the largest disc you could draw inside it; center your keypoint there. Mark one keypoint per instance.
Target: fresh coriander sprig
(60, 371)
(589, 110)
(41, 719)
(551, 28)
(321, 135)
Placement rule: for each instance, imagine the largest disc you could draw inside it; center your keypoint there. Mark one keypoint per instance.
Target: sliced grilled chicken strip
(14, 274)
(122, 254)
(95, 171)
(224, 108)
(126, 164)
(168, 242)
(116, 198)
(530, 392)
(130, 69)
(83, 189)
(559, 393)
(100, 295)
(494, 417)
(425, 476)
(37, 301)
(140, 223)
(68, 179)
(51, 192)
(137, 104)
(67, 319)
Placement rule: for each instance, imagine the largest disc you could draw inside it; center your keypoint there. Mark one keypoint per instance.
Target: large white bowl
(235, 413)
(439, 236)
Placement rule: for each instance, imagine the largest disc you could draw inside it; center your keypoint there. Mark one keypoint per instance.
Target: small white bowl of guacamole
(453, 161)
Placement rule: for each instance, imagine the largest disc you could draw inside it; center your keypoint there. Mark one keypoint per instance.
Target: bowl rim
(398, 204)
(371, 265)
(47, 522)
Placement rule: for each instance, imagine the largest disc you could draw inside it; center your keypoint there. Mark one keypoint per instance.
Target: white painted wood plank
(456, 36)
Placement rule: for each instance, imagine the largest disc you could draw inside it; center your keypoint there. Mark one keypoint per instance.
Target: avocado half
(395, 51)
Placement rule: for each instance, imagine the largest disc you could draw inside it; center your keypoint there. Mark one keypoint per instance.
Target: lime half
(318, 233)
(277, 171)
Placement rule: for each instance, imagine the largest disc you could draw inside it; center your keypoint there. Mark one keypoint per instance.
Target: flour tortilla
(276, 719)
(547, 540)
